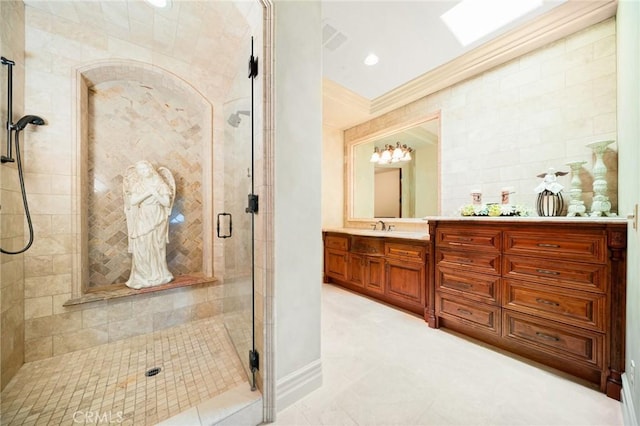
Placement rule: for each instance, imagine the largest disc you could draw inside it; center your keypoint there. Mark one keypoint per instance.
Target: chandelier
(391, 154)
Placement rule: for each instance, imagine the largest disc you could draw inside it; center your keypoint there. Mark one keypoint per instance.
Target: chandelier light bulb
(390, 154)
(397, 152)
(375, 157)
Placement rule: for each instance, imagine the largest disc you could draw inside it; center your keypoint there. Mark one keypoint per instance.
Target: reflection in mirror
(405, 187)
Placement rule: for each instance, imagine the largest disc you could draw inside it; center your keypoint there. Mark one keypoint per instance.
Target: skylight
(159, 3)
(470, 20)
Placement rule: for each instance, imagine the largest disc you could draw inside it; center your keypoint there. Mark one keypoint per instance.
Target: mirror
(396, 189)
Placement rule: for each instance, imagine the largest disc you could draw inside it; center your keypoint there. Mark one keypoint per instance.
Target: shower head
(28, 119)
(234, 119)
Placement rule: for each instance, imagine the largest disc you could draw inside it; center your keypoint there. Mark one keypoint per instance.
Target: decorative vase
(601, 205)
(550, 203)
(576, 205)
(550, 199)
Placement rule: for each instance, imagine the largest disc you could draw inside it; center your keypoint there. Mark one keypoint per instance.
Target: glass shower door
(236, 228)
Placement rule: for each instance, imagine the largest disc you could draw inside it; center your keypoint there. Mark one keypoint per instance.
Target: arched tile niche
(127, 111)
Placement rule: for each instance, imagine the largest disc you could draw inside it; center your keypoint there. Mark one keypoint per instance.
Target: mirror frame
(400, 125)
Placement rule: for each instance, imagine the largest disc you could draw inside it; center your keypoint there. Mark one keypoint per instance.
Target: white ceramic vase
(601, 205)
(576, 205)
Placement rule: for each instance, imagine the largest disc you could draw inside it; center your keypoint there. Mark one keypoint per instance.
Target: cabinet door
(405, 281)
(355, 269)
(335, 264)
(374, 274)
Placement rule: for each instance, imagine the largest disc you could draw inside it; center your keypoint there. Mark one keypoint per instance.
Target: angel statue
(148, 199)
(550, 182)
(550, 200)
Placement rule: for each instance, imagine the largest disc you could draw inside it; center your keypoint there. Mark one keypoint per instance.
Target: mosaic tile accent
(197, 362)
(119, 135)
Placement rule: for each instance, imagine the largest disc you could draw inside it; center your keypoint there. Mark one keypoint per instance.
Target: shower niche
(126, 112)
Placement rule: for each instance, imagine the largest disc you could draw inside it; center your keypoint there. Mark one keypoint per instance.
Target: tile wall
(57, 45)
(118, 137)
(12, 233)
(509, 124)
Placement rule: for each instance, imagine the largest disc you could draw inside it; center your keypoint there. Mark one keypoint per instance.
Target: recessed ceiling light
(471, 20)
(159, 3)
(371, 59)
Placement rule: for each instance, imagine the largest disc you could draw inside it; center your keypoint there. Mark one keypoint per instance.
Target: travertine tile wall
(12, 235)
(56, 45)
(118, 137)
(507, 125)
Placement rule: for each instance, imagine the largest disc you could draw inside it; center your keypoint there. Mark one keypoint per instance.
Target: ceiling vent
(332, 38)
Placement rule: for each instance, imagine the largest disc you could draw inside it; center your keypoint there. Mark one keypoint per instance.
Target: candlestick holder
(601, 205)
(576, 205)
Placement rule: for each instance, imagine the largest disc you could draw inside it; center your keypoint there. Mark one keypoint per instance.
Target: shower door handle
(230, 225)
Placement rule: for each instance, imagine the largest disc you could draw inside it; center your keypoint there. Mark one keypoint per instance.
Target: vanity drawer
(367, 245)
(581, 276)
(336, 242)
(562, 342)
(487, 263)
(469, 238)
(485, 288)
(578, 308)
(467, 312)
(579, 246)
(408, 252)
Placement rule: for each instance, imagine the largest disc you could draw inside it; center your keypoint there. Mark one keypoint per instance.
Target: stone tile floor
(383, 366)
(107, 383)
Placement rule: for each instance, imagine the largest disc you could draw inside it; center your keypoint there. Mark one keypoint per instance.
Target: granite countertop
(532, 219)
(424, 236)
(411, 235)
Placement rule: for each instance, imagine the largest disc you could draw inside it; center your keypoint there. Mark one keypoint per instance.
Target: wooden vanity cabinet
(406, 274)
(355, 269)
(335, 257)
(467, 280)
(389, 269)
(550, 291)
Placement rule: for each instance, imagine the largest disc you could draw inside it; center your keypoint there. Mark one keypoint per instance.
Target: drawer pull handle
(464, 311)
(547, 337)
(548, 245)
(460, 285)
(465, 260)
(547, 302)
(547, 272)
(465, 239)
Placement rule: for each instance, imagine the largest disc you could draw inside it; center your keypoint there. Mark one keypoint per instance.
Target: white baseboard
(296, 385)
(628, 410)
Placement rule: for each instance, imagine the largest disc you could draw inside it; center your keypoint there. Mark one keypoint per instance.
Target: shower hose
(24, 199)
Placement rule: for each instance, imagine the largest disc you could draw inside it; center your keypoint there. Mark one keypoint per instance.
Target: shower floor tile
(107, 383)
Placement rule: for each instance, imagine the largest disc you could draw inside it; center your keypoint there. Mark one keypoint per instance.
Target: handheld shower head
(28, 119)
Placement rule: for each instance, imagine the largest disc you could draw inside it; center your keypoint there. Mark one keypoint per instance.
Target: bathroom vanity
(392, 267)
(549, 289)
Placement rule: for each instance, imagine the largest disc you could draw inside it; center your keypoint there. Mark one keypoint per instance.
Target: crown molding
(342, 108)
(566, 19)
(339, 93)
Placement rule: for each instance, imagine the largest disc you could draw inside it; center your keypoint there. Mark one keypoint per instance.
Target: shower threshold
(238, 407)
